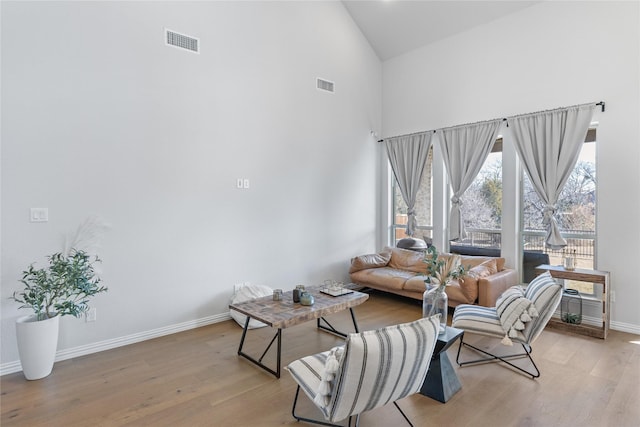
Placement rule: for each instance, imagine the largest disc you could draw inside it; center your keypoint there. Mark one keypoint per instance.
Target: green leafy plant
(573, 318)
(441, 270)
(62, 288)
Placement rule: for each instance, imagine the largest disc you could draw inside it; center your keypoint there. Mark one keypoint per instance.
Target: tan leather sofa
(402, 272)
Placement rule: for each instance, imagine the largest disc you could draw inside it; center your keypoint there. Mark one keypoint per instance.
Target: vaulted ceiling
(394, 27)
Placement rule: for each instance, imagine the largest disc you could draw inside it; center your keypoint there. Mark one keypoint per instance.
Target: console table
(582, 275)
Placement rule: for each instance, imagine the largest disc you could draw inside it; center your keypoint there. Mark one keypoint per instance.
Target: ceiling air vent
(181, 41)
(325, 85)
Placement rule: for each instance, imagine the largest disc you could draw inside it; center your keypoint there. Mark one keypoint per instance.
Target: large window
(482, 212)
(482, 204)
(576, 215)
(423, 207)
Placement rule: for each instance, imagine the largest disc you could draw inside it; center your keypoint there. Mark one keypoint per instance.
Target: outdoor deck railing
(580, 243)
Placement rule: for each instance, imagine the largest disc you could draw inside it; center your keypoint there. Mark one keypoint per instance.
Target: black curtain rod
(601, 104)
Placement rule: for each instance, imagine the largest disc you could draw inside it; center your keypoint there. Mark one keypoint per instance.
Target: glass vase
(434, 301)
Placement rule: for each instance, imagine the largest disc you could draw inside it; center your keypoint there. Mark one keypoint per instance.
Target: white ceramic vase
(37, 345)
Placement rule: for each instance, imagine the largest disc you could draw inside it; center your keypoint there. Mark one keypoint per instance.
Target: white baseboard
(625, 327)
(83, 350)
(11, 367)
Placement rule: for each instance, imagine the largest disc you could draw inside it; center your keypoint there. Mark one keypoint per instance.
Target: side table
(582, 275)
(442, 382)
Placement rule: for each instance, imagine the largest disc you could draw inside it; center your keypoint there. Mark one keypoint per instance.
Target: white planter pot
(37, 345)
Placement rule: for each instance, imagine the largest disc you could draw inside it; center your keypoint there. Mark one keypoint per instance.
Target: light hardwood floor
(195, 378)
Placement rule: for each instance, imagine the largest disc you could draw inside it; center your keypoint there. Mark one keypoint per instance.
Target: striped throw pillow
(327, 377)
(514, 310)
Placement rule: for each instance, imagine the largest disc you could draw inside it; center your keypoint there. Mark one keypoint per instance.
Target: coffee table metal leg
(258, 362)
(244, 334)
(353, 317)
(333, 330)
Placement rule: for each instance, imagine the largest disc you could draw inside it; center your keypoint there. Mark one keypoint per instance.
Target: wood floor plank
(195, 378)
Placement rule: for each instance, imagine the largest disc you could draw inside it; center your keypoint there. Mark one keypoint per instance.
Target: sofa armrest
(491, 287)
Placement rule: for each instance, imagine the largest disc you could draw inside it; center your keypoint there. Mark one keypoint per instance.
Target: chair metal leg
(310, 420)
(495, 358)
(323, 423)
(403, 414)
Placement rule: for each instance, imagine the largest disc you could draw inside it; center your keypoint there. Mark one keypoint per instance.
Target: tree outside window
(423, 206)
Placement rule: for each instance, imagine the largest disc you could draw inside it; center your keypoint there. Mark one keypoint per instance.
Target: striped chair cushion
(482, 321)
(307, 372)
(545, 294)
(376, 368)
(382, 366)
(539, 290)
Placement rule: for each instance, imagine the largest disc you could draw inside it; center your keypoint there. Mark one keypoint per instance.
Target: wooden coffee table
(285, 313)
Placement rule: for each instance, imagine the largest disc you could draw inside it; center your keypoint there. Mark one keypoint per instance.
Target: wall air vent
(325, 85)
(181, 41)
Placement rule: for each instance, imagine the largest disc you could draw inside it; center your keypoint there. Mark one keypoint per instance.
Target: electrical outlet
(91, 315)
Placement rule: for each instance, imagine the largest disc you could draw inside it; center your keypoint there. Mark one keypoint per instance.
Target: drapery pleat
(465, 148)
(548, 143)
(408, 156)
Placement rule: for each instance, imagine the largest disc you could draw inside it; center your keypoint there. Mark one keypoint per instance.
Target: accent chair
(372, 369)
(520, 316)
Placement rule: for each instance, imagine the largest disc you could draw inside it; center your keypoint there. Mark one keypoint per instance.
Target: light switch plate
(39, 215)
(246, 183)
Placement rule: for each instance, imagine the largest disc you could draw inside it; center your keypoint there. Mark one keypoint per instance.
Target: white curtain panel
(465, 148)
(407, 156)
(548, 143)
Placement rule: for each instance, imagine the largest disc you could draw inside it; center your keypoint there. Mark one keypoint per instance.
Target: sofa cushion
(416, 284)
(404, 259)
(382, 277)
(463, 290)
(370, 261)
(487, 268)
(473, 261)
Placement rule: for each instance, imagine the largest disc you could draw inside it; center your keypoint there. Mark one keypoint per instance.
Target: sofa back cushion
(485, 269)
(463, 290)
(363, 262)
(404, 259)
(474, 261)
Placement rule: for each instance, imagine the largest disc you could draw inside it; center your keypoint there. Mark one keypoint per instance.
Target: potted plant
(60, 289)
(440, 271)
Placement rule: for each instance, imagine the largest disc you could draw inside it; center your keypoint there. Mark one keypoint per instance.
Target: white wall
(550, 55)
(100, 117)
